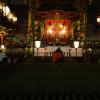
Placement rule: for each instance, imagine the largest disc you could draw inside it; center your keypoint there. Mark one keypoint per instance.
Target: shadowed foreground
(43, 81)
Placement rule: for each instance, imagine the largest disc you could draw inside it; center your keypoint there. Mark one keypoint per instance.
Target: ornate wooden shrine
(56, 25)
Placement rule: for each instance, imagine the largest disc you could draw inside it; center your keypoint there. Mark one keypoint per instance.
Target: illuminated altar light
(63, 31)
(61, 26)
(37, 45)
(50, 31)
(56, 29)
(76, 45)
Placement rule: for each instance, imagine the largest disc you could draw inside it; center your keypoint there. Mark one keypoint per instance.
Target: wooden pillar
(29, 23)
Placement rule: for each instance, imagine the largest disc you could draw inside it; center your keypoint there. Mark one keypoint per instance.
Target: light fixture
(76, 45)
(98, 19)
(2, 46)
(90, 49)
(6, 10)
(37, 45)
(12, 17)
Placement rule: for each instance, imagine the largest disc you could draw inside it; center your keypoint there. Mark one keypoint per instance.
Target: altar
(67, 51)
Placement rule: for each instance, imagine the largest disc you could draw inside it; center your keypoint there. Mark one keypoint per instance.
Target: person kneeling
(58, 56)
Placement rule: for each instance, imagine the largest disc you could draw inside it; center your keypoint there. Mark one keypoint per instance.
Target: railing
(47, 52)
(66, 54)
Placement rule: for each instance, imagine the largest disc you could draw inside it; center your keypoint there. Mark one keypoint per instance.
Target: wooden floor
(50, 96)
(47, 79)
